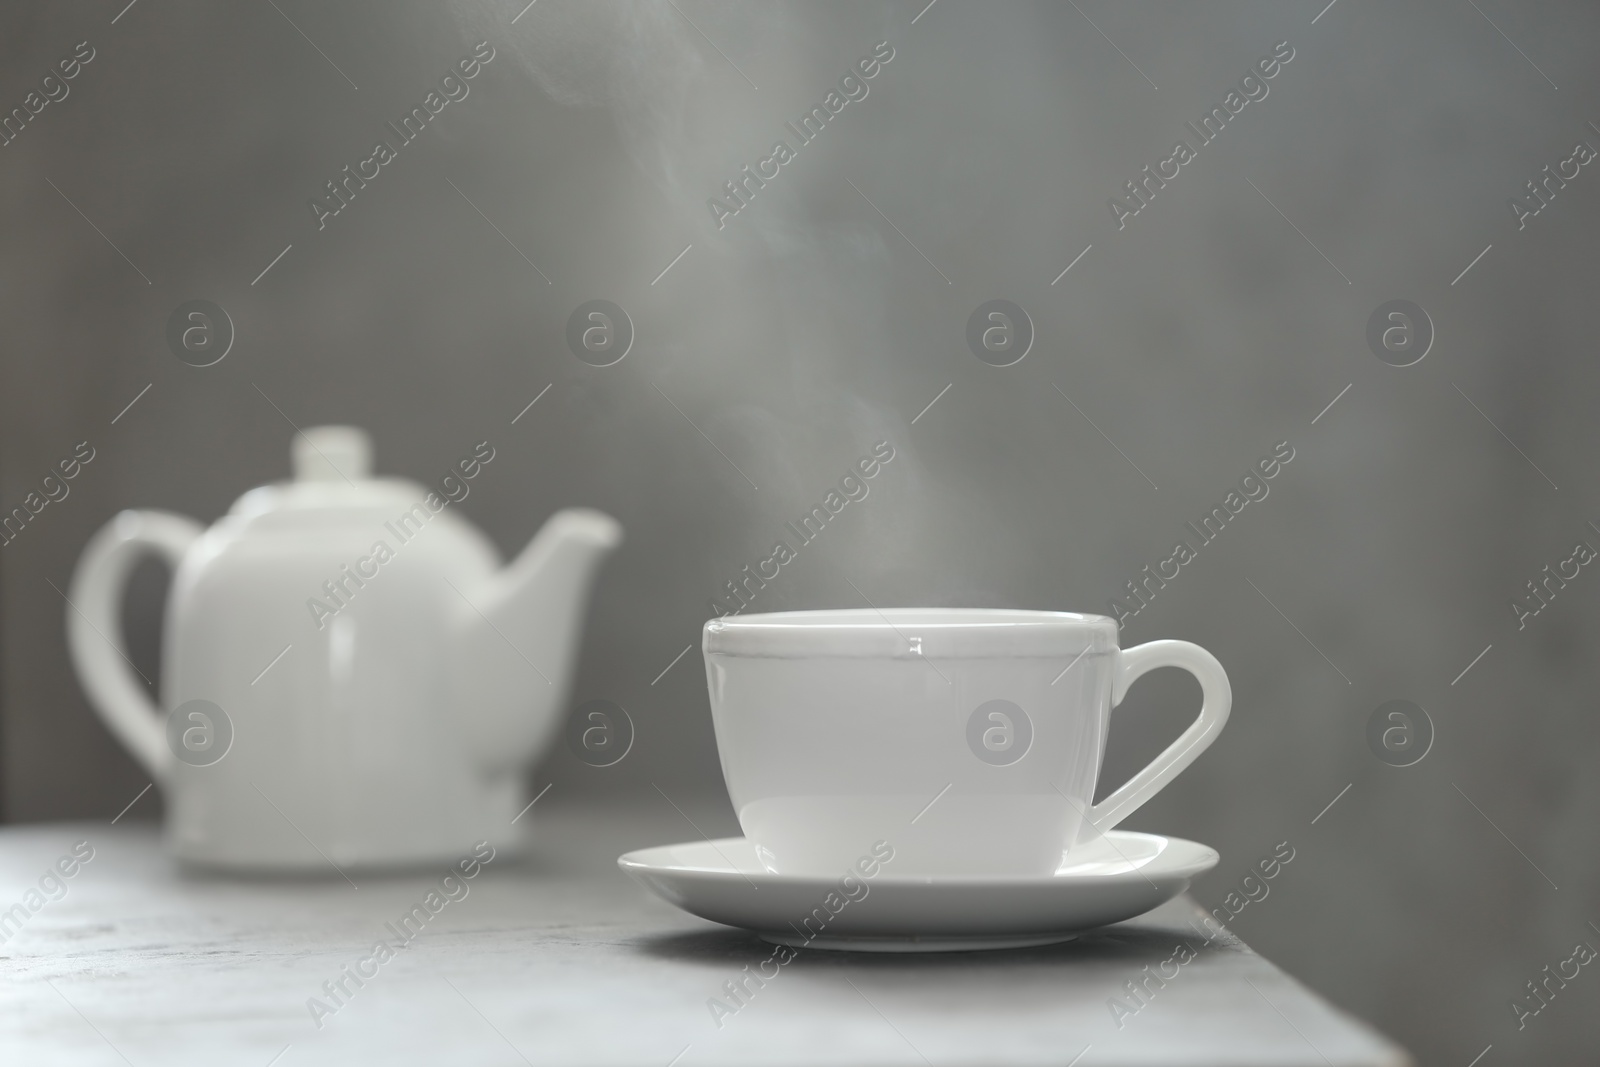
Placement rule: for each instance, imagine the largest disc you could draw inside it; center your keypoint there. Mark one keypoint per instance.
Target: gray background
(1195, 339)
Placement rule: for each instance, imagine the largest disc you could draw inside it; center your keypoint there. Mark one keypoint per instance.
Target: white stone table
(560, 959)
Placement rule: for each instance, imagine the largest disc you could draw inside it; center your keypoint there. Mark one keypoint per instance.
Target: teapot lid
(332, 473)
(331, 454)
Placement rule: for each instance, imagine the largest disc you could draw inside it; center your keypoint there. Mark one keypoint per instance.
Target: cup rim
(910, 633)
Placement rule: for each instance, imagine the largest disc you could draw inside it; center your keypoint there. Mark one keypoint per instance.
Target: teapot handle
(94, 630)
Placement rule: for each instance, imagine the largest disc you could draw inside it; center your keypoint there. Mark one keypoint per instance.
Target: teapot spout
(518, 637)
(550, 577)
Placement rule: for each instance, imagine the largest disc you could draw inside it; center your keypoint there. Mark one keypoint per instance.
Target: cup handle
(1216, 700)
(94, 631)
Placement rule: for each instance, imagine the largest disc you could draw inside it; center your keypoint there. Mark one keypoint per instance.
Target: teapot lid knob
(332, 454)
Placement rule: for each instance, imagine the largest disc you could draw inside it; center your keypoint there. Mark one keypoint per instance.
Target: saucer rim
(1205, 858)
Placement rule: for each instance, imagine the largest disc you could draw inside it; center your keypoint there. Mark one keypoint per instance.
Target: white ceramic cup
(968, 739)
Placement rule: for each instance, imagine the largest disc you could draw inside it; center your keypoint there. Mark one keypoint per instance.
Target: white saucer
(1113, 878)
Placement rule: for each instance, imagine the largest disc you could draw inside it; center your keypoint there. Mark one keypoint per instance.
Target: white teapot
(349, 675)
